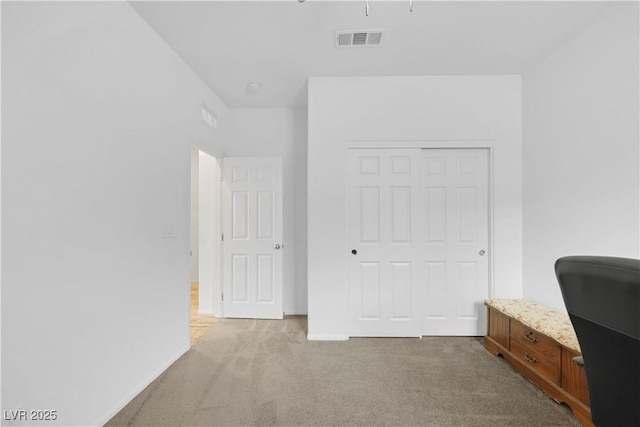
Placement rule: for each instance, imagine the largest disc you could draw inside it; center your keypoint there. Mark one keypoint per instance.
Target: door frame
(446, 144)
(209, 243)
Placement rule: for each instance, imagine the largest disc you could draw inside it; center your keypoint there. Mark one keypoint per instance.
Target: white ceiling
(279, 44)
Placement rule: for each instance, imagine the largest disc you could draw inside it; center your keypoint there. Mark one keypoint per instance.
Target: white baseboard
(137, 390)
(314, 337)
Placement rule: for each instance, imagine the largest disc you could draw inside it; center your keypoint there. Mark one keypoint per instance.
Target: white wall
(281, 132)
(580, 151)
(409, 109)
(98, 118)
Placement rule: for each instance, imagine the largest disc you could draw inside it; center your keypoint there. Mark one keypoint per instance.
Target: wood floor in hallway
(199, 323)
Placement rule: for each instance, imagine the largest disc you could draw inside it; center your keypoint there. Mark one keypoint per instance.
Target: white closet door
(252, 246)
(419, 232)
(455, 189)
(385, 268)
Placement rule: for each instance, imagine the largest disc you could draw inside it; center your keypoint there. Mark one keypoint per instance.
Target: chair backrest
(602, 297)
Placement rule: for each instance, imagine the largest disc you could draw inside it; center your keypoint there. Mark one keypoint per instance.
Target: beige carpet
(261, 372)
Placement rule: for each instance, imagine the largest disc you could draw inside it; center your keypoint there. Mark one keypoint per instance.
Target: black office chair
(602, 296)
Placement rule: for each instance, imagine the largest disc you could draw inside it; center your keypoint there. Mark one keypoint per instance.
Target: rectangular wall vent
(208, 117)
(359, 38)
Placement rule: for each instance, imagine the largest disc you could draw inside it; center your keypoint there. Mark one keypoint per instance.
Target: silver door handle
(482, 252)
(277, 246)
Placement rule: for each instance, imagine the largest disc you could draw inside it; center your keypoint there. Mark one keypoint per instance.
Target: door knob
(482, 252)
(277, 246)
(353, 251)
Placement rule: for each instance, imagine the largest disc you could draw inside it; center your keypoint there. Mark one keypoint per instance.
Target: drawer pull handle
(530, 359)
(528, 335)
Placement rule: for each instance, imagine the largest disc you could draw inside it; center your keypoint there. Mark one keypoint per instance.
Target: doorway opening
(205, 268)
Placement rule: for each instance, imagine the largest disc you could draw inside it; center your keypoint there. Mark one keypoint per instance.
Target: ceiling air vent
(360, 38)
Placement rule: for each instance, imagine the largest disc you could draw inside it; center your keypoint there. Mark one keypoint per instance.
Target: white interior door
(455, 188)
(385, 268)
(252, 237)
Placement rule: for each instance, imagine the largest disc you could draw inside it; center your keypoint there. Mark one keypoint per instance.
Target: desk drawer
(537, 361)
(535, 341)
